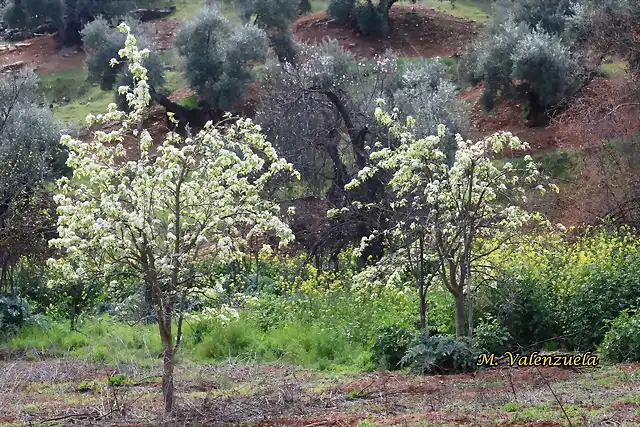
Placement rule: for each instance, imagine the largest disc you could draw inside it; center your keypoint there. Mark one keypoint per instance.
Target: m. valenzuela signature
(537, 359)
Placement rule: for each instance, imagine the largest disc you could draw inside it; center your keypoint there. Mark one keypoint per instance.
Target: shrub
(227, 340)
(622, 341)
(14, 313)
(547, 65)
(526, 308)
(219, 56)
(551, 16)
(441, 354)
(31, 13)
(491, 337)
(370, 21)
(102, 43)
(391, 344)
(340, 10)
(517, 61)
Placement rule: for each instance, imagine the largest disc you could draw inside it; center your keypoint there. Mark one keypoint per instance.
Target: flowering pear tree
(157, 208)
(446, 217)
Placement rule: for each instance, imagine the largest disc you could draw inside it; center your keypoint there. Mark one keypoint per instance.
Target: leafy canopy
(219, 56)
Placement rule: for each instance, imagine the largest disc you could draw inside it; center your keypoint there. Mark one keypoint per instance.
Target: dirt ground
(75, 392)
(44, 55)
(415, 32)
(601, 110)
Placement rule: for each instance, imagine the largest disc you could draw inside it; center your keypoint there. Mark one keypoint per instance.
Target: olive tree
(514, 60)
(371, 17)
(32, 13)
(445, 217)
(550, 16)
(168, 203)
(611, 26)
(219, 55)
(30, 155)
(275, 17)
(319, 114)
(102, 42)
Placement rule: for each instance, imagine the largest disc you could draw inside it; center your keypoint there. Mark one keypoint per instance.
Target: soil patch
(45, 56)
(415, 32)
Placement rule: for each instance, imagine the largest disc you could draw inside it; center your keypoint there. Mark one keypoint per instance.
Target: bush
(551, 16)
(219, 56)
(441, 354)
(622, 341)
(370, 21)
(340, 10)
(14, 313)
(391, 344)
(31, 13)
(526, 308)
(102, 43)
(547, 65)
(491, 337)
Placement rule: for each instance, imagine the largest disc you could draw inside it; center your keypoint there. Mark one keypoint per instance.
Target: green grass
(100, 339)
(190, 102)
(106, 340)
(187, 9)
(478, 10)
(83, 97)
(175, 81)
(615, 69)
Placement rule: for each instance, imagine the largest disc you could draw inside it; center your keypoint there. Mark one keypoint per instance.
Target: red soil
(415, 32)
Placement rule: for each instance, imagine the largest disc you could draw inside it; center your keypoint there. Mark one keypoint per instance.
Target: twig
(554, 396)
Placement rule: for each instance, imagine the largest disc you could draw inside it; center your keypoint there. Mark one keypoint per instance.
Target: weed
(512, 407)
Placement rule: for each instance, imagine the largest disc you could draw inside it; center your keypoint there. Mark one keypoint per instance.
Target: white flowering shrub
(158, 206)
(443, 216)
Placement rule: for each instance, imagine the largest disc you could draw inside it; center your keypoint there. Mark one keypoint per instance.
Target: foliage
(491, 337)
(556, 288)
(275, 17)
(219, 56)
(444, 215)
(371, 17)
(622, 340)
(319, 114)
(602, 272)
(392, 343)
(550, 16)
(32, 13)
(517, 61)
(30, 155)
(441, 354)
(610, 26)
(340, 10)
(370, 20)
(14, 313)
(102, 43)
(101, 339)
(526, 52)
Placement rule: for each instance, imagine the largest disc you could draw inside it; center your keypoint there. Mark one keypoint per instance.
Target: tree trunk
(164, 311)
(470, 316)
(164, 323)
(421, 290)
(460, 326)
